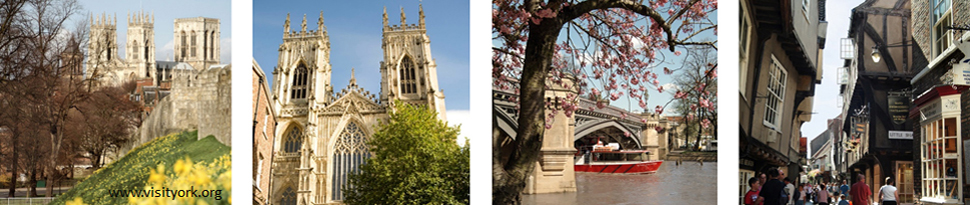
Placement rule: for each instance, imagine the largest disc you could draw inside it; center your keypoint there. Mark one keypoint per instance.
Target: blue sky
(355, 39)
(826, 105)
(165, 14)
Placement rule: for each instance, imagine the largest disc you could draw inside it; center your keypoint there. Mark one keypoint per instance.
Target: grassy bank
(132, 171)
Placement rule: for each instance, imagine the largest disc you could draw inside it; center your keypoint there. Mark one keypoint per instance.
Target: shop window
(940, 161)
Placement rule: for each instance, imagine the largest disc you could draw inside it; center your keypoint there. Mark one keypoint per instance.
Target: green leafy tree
(416, 161)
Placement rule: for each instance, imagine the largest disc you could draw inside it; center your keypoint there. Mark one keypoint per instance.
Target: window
(293, 141)
(744, 175)
(265, 123)
(408, 84)
(745, 37)
(212, 45)
(205, 43)
(349, 152)
(941, 35)
(805, 4)
(940, 154)
(904, 182)
(774, 100)
(259, 171)
(289, 196)
(134, 49)
(193, 45)
(182, 46)
(299, 87)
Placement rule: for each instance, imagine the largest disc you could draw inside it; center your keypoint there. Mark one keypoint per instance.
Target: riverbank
(691, 156)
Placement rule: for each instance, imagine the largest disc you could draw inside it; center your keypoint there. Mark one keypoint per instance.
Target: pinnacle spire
(304, 23)
(403, 22)
(385, 16)
(420, 16)
(286, 26)
(353, 80)
(320, 27)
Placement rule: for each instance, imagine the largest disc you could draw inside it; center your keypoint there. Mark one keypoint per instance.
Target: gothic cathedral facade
(322, 134)
(196, 44)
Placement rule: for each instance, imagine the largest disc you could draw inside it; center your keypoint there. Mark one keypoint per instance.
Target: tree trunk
(32, 183)
(13, 164)
(510, 179)
(52, 164)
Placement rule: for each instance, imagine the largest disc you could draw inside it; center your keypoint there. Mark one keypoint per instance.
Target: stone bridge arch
(593, 126)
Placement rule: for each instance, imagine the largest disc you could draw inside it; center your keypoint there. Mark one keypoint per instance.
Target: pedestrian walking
(887, 193)
(802, 194)
(844, 189)
(773, 191)
(789, 189)
(823, 195)
(841, 199)
(860, 191)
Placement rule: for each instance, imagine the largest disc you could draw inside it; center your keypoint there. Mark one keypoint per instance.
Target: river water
(689, 183)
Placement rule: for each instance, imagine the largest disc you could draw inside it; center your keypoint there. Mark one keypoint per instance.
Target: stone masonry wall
(199, 101)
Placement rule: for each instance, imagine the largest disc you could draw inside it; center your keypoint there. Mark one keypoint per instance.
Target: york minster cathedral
(322, 133)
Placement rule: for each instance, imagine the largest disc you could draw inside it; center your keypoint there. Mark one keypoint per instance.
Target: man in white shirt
(790, 188)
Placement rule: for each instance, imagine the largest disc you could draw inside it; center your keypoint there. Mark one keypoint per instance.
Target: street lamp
(876, 56)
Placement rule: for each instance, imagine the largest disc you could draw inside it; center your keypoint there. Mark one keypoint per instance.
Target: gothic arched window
(349, 153)
(298, 89)
(408, 82)
(212, 45)
(289, 197)
(134, 48)
(183, 47)
(293, 140)
(192, 46)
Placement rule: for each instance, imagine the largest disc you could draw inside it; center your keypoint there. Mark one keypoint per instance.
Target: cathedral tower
(408, 71)
(140, 51)
(302, 75)
(197, 41)
(103, 47)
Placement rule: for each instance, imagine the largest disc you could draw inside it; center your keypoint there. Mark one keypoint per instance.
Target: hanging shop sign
(898, 107)
(900, 135)
(960, 73)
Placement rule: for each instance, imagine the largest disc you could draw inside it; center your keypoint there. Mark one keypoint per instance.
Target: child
(752, 195)
(841, 199)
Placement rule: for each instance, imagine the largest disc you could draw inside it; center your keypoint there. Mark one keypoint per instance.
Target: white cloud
(225, 54)
(670, 86)
(462, 117)
(167, 53)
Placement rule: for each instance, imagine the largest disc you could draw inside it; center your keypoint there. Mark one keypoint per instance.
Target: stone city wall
(199, 101)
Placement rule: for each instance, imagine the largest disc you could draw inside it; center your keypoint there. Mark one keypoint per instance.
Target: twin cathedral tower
(196, 43)
(322, 134)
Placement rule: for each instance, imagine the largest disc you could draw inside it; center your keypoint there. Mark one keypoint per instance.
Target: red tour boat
(617, 162)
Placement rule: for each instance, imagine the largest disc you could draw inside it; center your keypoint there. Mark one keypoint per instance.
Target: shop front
(941, 145)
